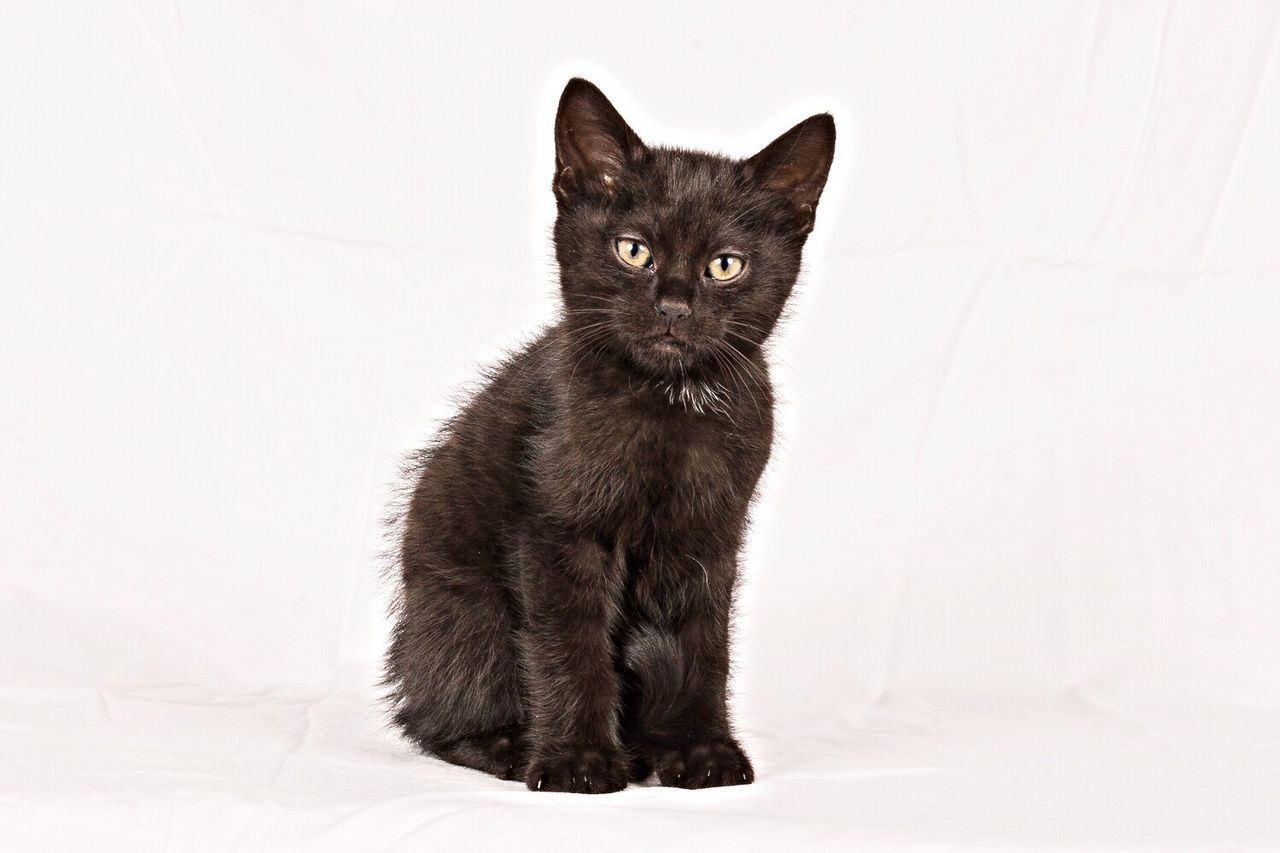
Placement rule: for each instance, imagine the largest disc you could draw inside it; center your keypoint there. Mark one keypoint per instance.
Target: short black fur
(568, 553)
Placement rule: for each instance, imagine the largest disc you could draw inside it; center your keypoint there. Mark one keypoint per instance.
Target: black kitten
(569, 551)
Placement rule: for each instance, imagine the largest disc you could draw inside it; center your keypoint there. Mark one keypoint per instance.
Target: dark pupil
(635, 249)
(724, 263)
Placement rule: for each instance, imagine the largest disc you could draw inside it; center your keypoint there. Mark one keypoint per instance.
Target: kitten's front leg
(678, 718)
(570, 592)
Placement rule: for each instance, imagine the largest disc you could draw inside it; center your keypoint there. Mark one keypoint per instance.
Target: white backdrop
(1024, 503)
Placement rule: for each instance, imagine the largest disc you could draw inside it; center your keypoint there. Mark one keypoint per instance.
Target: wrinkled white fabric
(195, 769)
(1014, 574)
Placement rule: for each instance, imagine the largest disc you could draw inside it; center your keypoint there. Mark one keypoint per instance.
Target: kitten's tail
(661, 676)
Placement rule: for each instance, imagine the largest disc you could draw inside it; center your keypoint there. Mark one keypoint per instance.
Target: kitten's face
(674, 261)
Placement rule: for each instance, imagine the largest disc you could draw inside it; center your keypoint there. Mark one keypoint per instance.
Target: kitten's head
(669, 258)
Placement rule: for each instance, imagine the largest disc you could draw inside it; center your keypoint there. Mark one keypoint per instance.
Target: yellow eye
(725, 267)
(634, 253)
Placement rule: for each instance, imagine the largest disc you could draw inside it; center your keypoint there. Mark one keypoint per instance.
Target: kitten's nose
(672, 309)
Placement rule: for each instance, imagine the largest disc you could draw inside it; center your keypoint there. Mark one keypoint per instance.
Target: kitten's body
(569, 551)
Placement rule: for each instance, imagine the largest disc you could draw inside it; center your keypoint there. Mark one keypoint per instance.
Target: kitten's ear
(593, 144)
(796, 164)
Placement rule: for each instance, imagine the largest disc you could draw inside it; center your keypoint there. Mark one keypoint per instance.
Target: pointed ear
(593, 144)
(796, 164)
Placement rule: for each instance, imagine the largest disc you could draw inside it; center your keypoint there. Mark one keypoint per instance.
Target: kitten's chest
(626, 470)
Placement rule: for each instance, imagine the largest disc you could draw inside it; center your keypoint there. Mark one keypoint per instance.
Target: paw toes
(709, 765)
(579, 772)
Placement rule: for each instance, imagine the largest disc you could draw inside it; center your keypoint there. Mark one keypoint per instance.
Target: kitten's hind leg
(501, 753)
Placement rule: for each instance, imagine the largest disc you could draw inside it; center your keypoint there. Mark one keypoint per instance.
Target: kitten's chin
(663, 356)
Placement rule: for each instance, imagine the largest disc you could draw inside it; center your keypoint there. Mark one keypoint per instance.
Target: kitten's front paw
(704, 764)
(578, 770)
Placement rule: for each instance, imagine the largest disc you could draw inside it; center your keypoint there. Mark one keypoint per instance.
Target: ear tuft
(796, 165)
(594, 146)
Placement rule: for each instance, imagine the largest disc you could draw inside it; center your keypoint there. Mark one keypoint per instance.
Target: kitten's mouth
(664, 353)
(669, 344)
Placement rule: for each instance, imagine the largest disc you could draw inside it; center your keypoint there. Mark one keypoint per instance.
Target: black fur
(568, 553)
